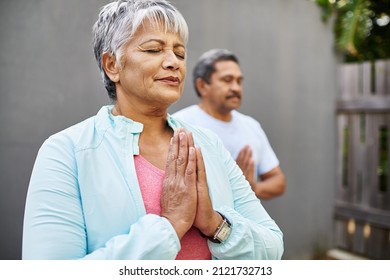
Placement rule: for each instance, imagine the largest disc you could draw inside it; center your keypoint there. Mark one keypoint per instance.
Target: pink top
(193, 244)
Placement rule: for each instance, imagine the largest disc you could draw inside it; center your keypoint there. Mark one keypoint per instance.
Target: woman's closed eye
(180, 55)
(152, 50)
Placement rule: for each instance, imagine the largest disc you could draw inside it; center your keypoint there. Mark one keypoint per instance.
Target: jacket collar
(106, 120)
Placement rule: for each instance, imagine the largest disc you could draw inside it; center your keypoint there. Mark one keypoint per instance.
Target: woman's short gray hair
(119, 20)
(205, 66)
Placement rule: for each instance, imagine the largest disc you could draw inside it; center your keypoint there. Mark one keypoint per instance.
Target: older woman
(132, 182)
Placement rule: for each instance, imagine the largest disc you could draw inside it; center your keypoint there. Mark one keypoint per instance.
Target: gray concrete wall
(49, 80)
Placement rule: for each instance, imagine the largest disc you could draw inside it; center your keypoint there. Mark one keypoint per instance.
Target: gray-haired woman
(132, 182)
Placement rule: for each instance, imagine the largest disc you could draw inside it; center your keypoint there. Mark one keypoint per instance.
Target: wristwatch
(223, 231)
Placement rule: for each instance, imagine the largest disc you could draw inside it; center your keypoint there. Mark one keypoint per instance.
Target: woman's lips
(170, 80)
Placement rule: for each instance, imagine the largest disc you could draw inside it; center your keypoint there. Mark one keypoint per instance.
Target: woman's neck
(156, 134)
(153, 119)
(156, 131)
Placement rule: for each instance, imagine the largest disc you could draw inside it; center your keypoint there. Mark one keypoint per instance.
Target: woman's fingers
(170, 169)
(201, 170)
(190, 175)
(179, 197)
(178, 153)
(182, 158)
(190, 140)
(206, 220)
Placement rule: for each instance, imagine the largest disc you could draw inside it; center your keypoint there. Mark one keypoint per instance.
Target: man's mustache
(235, 94)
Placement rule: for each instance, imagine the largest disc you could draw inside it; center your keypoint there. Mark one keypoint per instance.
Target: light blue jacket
(84, 199)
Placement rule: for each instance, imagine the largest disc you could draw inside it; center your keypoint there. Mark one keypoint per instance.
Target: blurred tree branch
(361, 27)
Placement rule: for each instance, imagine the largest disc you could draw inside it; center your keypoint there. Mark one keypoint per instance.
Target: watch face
(224, 232)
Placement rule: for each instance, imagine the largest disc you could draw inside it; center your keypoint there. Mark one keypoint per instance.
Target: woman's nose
(171, 61)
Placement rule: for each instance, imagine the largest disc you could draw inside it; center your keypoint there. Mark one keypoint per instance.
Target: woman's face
(153, 67)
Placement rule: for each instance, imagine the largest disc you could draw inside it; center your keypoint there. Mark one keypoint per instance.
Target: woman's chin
(170, 98)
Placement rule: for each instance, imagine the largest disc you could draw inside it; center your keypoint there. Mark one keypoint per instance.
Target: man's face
(224, 92)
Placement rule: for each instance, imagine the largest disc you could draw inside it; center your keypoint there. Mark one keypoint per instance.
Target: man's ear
(201, 85)
(111, 67)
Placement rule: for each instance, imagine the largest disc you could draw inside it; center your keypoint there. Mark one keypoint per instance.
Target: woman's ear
(111, 67)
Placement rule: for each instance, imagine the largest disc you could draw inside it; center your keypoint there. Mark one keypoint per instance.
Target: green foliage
(361, 27)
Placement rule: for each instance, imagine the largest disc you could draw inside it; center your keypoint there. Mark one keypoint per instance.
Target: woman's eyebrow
(152, 40)
(162, 42)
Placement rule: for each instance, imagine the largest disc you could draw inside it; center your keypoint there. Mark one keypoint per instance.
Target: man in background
(217, 79)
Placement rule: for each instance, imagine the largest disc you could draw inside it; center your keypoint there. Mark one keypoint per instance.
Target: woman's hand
(179, 195)
(185, 199)
(207, 220)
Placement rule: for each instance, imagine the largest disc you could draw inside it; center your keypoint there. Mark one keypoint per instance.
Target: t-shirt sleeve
(268, 159)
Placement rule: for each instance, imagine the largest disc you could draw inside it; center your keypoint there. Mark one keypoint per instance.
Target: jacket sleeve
(54, 226)
(254, 235)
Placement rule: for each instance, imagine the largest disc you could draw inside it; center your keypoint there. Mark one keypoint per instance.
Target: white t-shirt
(240, 131)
